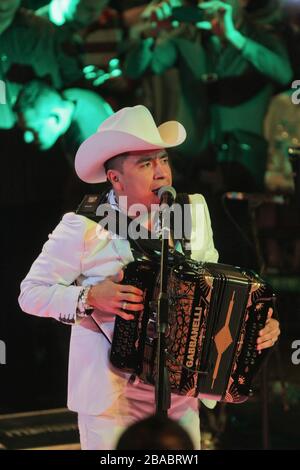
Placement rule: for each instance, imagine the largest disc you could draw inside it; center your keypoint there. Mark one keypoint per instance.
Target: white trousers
(102, 432)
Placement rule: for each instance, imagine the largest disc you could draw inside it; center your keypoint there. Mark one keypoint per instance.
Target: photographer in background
(228, 69)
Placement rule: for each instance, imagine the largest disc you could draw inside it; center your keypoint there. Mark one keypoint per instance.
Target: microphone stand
(162, 389)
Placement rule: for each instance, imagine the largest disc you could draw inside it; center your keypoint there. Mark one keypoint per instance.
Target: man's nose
(159, 170)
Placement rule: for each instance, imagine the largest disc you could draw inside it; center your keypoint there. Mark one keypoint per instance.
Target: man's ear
(55, 117)
(60, 116)
(113, 177)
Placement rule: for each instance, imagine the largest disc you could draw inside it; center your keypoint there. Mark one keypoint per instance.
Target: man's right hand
(112, 298)
(160, 11)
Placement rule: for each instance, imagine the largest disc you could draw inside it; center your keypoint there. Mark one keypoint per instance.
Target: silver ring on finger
(124, 305)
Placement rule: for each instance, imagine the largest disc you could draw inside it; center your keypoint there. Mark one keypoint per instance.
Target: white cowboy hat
(129, 129)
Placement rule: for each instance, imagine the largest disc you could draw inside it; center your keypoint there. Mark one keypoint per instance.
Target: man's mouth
(155, 191)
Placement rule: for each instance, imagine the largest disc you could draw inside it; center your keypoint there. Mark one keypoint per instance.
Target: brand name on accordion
(194, 337)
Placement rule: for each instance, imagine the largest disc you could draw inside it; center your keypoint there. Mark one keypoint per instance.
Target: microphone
(255, 197)
(167, 195)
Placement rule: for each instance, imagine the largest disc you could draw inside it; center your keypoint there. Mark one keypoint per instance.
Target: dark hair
(116, 163)
(155, 433)
(31, 93)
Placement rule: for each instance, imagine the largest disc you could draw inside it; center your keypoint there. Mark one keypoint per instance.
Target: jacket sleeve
(202, 242)
(271, 59)
(46, 291)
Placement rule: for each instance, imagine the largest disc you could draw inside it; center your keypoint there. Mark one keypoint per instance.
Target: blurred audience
(73, 14)
(93, 26)
(29, 48)
(228, 70)
(45, 115)
(291, 32)
(280, 225)
(31, 196)
(282, 130)
(71, 116)
(94, 31)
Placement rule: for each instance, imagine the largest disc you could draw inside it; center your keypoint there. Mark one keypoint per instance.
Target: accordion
(215, 314)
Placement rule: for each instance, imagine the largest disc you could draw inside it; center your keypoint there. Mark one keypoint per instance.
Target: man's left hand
(269, 334)
(222, 22)
(223, 13)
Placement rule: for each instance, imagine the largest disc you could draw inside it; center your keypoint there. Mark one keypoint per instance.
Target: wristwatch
(83, 308)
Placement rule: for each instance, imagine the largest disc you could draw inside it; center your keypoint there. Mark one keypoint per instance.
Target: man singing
(76, 278)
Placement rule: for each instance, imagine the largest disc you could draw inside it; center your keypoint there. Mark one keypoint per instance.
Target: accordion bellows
(215, 314)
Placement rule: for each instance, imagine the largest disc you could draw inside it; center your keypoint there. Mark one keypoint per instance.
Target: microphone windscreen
(167, 189)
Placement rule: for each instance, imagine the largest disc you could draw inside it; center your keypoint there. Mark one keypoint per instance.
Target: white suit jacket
(75, 251)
